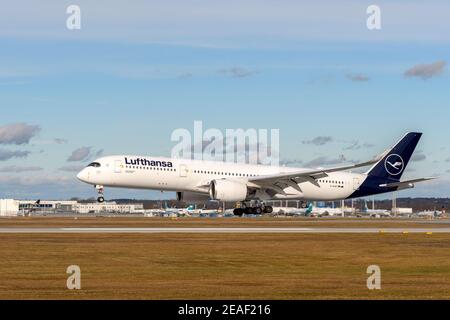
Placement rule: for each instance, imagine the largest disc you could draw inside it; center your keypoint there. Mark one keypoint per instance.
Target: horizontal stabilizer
(405, 184)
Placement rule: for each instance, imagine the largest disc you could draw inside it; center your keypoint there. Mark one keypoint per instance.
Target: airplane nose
(83, 175)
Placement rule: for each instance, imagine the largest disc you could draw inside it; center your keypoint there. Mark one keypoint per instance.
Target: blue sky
(133, 74)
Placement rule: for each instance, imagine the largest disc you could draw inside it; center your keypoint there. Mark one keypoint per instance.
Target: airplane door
(184, 171)
(356, 183)
(118, 166)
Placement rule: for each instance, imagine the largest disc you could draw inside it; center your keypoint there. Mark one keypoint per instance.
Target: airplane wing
(405, 184)
(278, 182)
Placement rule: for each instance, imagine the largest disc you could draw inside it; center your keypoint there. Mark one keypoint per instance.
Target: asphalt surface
(17, 230)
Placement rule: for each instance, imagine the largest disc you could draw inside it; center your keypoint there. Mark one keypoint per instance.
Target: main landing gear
(100, 198)
(252, 208)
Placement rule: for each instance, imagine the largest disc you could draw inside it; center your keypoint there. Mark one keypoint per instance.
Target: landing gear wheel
(268, 209)
(249, 211)
(100, 198)
(252, 207)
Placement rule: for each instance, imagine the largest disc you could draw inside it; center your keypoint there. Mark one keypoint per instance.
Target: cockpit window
(94, 164)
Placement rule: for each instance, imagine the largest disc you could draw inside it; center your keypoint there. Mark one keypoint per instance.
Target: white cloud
(356, 145)
(426, 71)
(237, 72)
(319, 141)
(357, 77)
(71, 168)
(50, 141)
(291, 162)
(418, 156)
(80, 154)
(9, 154)
(19, 169)
(59, 141)
(216, 22)
(17, 133)
(324, 161)
(35, 180)
(84, 154)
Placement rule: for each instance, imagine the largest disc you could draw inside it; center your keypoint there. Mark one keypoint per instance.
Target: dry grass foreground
(224, 266)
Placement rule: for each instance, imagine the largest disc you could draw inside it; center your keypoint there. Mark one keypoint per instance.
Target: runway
(224, 230)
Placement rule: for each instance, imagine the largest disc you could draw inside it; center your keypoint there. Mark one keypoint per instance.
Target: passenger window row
(332, 181)
(151, 168)
(225, 173)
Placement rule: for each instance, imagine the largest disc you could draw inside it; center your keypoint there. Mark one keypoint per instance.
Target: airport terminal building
(11, 207)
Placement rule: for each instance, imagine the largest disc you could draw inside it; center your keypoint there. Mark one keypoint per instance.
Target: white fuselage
(179, 175)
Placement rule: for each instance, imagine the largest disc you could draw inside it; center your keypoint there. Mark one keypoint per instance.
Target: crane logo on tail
(394, 164)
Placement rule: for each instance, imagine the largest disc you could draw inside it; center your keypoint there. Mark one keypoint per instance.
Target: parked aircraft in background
(375, 212)
(431, 214)
(326, 211)
(291, 211)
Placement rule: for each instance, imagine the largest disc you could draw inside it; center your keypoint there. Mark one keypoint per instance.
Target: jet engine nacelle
(225, 190)
(192, 197)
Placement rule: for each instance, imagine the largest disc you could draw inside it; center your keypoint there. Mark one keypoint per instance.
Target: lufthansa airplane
(251, 185)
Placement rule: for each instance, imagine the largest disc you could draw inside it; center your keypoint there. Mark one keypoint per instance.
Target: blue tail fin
(395, 160)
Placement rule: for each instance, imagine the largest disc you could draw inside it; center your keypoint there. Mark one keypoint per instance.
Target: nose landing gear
(100, 198)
